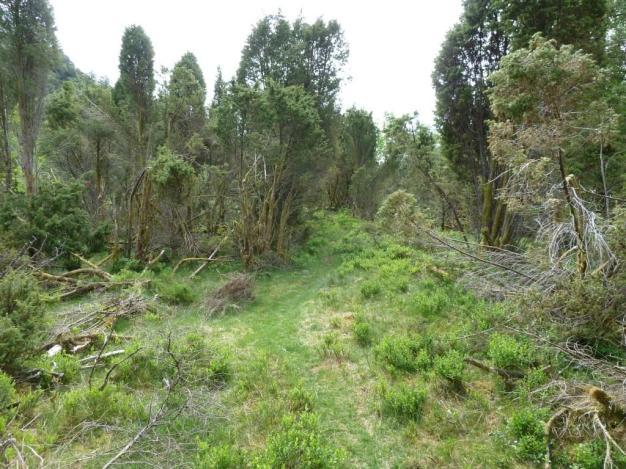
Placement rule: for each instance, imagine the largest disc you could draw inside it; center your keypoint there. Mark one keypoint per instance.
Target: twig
(106, 378)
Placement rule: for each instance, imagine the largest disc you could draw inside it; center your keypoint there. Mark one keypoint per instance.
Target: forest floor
(362, 334)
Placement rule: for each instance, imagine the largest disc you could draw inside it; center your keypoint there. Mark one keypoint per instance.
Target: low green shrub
(370, 288)
(408, 354)
(174, 292)
(403, 402)
(526, 429)
(201, 362)
(451, 366)
(21, 319)
(299, 444)
(300, 400)
(219, 457)
(142, 366)
(54, 220)
(509, 353)
(109, 406)
(332, 347)
(7, 392)
(66, 368)
(363, 333)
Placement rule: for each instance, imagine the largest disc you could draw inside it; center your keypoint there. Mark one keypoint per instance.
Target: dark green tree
(185, 107)
(27, 30)
(582, 23)
(470, 52)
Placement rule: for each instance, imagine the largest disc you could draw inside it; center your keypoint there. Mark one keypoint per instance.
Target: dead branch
(99, 357)
(506, 374)
(86, 261)
(88, 271)
(205, 259)
(106, 377)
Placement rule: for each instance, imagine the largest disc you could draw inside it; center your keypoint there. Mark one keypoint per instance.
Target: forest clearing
(261, 277)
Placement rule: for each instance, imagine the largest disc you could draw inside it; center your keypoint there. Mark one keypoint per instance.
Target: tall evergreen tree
(185, 107)
(27, 29)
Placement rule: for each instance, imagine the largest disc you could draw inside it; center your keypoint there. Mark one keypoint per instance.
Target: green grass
(355, 313)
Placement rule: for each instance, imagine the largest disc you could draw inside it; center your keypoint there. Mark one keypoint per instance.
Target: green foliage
(53, 218)
(7, 393)
(526, 430)
(370, 288)
(509, 353)
(110, 405)
(68, 366)
(299, 443)
(451, 366)
(333, 347)
(219, 457)
(404, 402)
(21, 319)
(300, 400)
(407, 354)
(174, 292)
(202, 362)
(363, 333)
(398, 213)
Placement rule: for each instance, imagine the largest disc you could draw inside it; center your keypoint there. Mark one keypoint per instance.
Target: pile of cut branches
(82, 280)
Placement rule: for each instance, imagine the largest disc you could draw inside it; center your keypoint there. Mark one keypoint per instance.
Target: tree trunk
(6, 150)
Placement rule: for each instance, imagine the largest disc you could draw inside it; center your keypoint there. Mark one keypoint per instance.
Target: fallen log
(506, 374)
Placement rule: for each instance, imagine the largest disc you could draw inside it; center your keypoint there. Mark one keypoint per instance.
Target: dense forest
(254, 276)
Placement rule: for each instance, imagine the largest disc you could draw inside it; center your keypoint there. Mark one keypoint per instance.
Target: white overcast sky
(393, 43)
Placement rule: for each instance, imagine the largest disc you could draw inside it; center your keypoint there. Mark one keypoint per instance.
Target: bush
(54, 218)
(299, 443)
(175, 293)
(68, 366)
(370, 288)
(404, 402)
(451, 367)
(300, 400)
(109, 406)
(7, 392)
(403, 353)
(363, 333)
(332, 347)
(201, 362)
(399, 215)
(219, 457)
(144, 367)
(21, 319)
(507, 352)
(526, 429)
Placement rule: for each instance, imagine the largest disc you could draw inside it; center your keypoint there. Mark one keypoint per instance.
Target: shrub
(54, 218)
(144, 367)
(21, 319)
(201, 362)
(404, 402)
(109, 406)
(299, 443)
(451, 367)
(7, 392)
(527, 431)
(176, 293)
(219, 457)
(507, 352)
(370, 288)
(300, 400)
(67, 366)
(332, 347)
(401, 353)
(363, 333)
